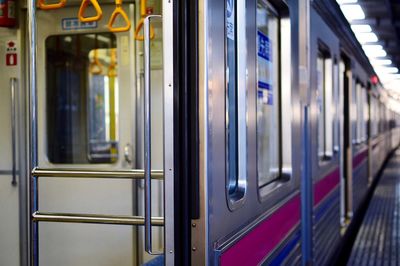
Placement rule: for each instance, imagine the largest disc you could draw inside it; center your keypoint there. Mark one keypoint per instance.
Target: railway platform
(378, 238)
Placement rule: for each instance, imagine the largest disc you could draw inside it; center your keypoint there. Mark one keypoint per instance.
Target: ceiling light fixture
(352, 12)
(366, 37)
(361, 28)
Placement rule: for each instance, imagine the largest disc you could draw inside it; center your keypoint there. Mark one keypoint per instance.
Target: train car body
(223, 133)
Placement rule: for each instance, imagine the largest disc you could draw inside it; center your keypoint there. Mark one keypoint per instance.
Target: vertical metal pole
(13, 82)
(147, 137)
(32, 139)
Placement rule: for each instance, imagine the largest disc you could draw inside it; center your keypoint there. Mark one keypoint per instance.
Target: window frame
(329, 103)
(284, 177)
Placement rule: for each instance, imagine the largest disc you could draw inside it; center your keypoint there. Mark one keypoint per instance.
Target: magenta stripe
(256, 245)
(359, 158)
(326, 185)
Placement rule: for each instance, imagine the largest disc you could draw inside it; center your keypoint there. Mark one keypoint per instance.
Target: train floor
(378, 239)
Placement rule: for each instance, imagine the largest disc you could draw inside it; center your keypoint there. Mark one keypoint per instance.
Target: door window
(82, 98)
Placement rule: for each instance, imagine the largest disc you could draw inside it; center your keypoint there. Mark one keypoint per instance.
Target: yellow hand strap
(82, 9)
(44, 6)
(138, 37)
(118, 11)
(112, 72)
(139, 27)
(95, 67)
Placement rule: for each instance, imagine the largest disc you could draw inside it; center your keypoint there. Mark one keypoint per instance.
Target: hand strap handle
(119, 11)
(44, 6)
(82, 9)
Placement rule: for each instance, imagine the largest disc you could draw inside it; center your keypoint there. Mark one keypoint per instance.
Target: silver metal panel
(200, 227)
(168, 90)
(320, 32)
(212, 116)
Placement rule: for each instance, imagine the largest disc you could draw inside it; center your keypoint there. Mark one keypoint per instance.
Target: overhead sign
(76, 24)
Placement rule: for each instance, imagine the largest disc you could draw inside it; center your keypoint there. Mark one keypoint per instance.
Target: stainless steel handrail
(86, 173)
(94, 218)
(147, 135)
(13, 85)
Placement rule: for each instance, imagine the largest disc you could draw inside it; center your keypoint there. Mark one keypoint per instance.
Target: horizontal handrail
(86, 173)
(94, 218)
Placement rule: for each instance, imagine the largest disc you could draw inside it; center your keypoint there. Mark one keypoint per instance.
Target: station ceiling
(384, 18)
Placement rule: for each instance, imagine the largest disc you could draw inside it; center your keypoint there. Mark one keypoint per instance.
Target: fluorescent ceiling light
(386, 70)
(361, 28)
(366, 37)
(376, 54)
(352, 12)
(341, 2)
(381, 62)
(372, 47)
(373, 51)
(390, 78)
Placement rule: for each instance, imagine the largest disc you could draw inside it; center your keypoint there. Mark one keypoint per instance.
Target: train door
(11, 194)
(98, 142)
(345, 80)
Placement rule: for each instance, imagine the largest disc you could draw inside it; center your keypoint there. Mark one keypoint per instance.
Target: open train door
(86, 139)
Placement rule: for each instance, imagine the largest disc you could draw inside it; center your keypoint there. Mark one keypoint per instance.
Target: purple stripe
(265, 237)
(326, 185)
(359, 158)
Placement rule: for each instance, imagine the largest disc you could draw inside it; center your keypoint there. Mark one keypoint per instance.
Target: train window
(273, 94)
(353, 111)
(325, 103)
(363, 117)
(82, 98)
(374, 117)
(335, 106)
(235, 102)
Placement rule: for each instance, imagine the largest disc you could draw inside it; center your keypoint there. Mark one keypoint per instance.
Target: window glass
(365, 114)
(235, 102)
(268, 98)
(325, 105)
(82, 98)
(353, 112)
(335, 107)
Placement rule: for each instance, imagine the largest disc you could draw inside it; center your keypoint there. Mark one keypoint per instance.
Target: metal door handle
(147, 135)
(13, 85)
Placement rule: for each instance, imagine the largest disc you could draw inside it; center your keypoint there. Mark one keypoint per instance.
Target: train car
(180, 132)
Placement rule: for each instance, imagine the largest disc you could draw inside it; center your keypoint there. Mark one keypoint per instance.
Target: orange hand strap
(119, 11)
(112, 72)
(82, 9)
(44, 6)
(138, 37)
(95, 67)
(139, 27)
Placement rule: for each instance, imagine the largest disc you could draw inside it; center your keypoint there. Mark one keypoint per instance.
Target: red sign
(11, 54)
(11, 59)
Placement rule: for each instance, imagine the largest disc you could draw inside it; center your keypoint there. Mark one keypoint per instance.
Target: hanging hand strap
(119, 11)
(44, 6)
(82, 9)
(95, 67)
(112, 72)
(139, 27)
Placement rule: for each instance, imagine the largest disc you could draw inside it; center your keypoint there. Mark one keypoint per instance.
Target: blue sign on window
(263, 46)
